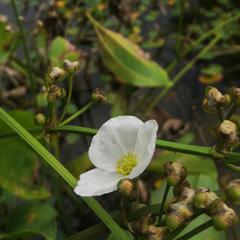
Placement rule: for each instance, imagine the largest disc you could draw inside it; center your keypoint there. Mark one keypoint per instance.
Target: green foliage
(30, 219)
(127, 61)
(19, 164)
(61, 49)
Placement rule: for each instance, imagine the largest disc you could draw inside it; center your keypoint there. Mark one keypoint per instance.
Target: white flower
(122, 148)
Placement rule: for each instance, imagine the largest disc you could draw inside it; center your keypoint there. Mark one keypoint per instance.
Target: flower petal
(145, 146)
(116, 137)
(97, 182)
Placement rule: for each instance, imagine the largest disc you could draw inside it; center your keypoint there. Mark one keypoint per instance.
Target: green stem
(25, 47)
(63, 172)
(231, 110)
(196, 230)
(69, 95)
(203, 37)
(78, 113)
(181, 74)
(167, 188)
(205, 151)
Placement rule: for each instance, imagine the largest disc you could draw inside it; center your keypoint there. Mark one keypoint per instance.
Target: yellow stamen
(126, 163)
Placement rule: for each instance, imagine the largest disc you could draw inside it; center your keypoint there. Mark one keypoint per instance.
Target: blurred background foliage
(152, 58)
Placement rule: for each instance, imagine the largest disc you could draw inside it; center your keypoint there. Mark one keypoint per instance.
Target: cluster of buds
(222, 215)
(188, 201)
(180, 209)
(214, 99)
(228, 128)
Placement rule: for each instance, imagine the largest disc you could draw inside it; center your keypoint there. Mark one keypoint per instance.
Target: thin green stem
(78, 113)
(196, 230)
(231, 110)
(69, 95)
(63, 172)
(167, 188)
(220, 114)
(204, 37)
(205, 151)
(181, 74)
(25, 47)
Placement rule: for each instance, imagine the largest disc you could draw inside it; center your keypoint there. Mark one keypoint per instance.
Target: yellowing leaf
(128, 61)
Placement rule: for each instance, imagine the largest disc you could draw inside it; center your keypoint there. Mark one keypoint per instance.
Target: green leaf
(127, 61)
(32, 219)
(61, 49)
(19, 164)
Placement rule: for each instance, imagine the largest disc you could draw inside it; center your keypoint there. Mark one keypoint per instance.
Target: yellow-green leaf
(128, 61)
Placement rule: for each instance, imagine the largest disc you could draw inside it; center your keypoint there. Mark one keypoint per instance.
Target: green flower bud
(55, 75)
(98, 96)
(40, 119)
(225, 220)
(177, 214)
(173, 221)
(233, 191)
(175, 173)
(126, 187)
(71, 67)
(203, 198)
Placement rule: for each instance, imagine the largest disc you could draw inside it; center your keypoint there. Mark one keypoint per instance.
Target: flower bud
(126, 187)
(233, 191)
(140, 226)
(214, 99)
(40, 119)
(55, 74)
(224, 218)
(71, 67)
(55, 92)
(175, 173)
(235, 95)
(156, 233)
(203, 198)
(228, 131)
(177, 214)
(222, 215)
(173, 221)
(178, 189)
(98, 96)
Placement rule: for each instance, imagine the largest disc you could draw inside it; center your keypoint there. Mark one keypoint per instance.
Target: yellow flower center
(126, 163)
